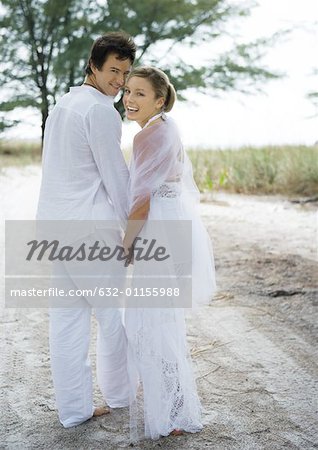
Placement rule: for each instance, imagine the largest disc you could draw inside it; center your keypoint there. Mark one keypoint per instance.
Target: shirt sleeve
(103, 128)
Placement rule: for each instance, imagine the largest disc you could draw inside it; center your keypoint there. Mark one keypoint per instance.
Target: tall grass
(19, 153)
(286, 170)
(283, 170)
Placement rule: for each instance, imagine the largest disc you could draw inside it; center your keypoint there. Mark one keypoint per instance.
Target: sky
(279, 115)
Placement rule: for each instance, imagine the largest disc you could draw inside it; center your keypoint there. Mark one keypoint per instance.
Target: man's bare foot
(176, 432)
(101, 411)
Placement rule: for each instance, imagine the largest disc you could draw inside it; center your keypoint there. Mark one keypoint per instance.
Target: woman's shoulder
(161, 131)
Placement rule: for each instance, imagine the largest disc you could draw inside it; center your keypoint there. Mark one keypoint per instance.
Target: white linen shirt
(84, 173)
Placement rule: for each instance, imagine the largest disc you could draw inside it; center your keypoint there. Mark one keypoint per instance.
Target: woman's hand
(128, 251)
(127, 246)
(136, 221)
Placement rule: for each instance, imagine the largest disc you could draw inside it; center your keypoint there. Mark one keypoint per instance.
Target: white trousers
(71, 368)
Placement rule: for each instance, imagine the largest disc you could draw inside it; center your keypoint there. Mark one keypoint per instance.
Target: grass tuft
(19, 153)
(285, 170)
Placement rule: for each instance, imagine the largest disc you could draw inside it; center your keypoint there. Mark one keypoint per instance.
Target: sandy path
(254, 348)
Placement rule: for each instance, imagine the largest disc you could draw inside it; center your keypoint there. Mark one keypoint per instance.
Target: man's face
(111, 77)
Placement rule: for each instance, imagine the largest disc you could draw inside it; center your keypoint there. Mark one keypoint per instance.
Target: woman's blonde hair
(160, 83)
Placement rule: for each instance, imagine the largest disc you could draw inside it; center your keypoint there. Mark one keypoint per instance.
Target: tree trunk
(44, 113)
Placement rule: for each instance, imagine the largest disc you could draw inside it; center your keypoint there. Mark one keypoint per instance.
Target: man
(85, 177)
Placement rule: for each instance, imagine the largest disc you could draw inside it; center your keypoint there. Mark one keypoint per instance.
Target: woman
(162, 189)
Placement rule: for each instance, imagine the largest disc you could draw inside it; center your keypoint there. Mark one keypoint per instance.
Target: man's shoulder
(102, 111)
(84, 101)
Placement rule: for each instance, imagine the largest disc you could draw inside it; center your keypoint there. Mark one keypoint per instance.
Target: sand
(254, 348)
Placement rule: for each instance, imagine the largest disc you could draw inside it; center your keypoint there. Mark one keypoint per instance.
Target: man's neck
(91, 81)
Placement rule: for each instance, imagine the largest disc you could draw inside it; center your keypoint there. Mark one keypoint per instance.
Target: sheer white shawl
(159, 159)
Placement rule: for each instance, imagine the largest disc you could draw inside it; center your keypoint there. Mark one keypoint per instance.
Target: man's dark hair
(118, 43)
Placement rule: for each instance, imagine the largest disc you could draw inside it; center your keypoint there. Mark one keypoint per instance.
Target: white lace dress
(163, 390)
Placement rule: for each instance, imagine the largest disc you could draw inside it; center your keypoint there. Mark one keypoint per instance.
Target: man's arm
(103, 127)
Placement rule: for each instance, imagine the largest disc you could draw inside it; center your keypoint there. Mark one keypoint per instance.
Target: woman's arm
(136, 221)
(153, 159)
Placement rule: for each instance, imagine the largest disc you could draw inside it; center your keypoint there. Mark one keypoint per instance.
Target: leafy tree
(5, 124)
(45, 44)
(35, 34)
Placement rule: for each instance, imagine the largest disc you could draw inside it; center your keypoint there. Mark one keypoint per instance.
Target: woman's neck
(153, 119)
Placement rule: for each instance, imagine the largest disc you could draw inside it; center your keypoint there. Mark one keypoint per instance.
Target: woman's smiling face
(140, 100)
